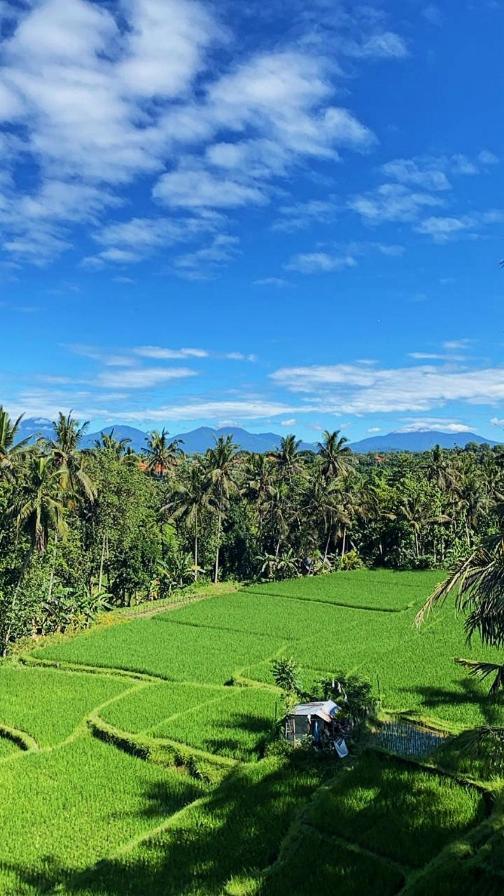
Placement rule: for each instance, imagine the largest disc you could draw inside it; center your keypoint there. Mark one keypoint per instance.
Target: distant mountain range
(423, 440)
(198, 440)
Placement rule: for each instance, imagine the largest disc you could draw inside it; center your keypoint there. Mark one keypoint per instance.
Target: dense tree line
(81, 530)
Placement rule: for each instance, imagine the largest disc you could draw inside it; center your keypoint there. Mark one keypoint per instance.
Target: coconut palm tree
(336, 455)
(220, 470)
(188, 504)
(116, 448)
(287, 457)
(69, 460)
(38, 513)
(478, 585)
(162, 454)
(10, 449)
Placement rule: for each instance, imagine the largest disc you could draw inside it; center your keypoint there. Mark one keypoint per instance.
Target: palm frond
(484, 670)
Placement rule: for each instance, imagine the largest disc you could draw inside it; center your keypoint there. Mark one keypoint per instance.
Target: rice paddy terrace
(131, 755)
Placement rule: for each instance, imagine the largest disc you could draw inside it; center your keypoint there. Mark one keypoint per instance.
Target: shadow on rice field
(153, 781)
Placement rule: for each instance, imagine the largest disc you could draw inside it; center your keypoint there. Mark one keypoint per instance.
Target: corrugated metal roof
(325, 709)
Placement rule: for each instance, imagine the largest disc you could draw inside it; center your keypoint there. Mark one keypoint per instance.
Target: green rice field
(135, 757)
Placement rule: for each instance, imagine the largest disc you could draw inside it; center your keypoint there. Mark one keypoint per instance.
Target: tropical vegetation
(83, 530)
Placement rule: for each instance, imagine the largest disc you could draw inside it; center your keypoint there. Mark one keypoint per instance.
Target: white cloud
(201, 264)
(497, 421)
(382, 45)
(198, 188)
(141, 377)
(392, 202)
(319, 262)
(410, 171)
(242, 409)
(486, 157)
(456, 344)
(239, 356)
(165, 46)
(159, 352)
(442, 229)
(96, 96)
(374, 429)
(290, 422)
(434, 423)
(364, 389)
(279, 282)
(302, 214)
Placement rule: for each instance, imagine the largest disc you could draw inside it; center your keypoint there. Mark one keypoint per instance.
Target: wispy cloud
(381, 45)
(242, 409)
(202, 263)
(159, 352)
(302, 214)
(278, 282)
(442, 424)
(364, 389)
(392, 202)
(319, 262)
(141, 377)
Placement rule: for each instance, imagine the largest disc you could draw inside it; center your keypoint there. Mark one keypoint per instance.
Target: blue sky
(285, 216)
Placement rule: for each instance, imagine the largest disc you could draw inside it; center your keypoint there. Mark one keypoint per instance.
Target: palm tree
(69, 460)
(162, 455)
(117, 448)
(10, 449)
(287, 457)
(479, 586)
(189, 502)
(321, 502)
(441, 471)
(277, 512)
(336, 454)
(38, 512)
(220, 465)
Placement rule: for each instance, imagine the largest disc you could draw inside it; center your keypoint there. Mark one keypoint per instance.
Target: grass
(311, 862)
(218, 846)
(395, 810)
(159, 646)
(7, 748)
(236, 635)
(83, 801)
(104, 822)
(49, 704)
(380, 589)
(147, 706)
(233, 726)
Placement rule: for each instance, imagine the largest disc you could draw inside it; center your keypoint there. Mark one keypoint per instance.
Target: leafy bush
(350, 560)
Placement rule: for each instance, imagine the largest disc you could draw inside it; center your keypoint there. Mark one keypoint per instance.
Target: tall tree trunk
(196, 550)
(216, 572)
(53, 567)
(343, 546)
(102, 562)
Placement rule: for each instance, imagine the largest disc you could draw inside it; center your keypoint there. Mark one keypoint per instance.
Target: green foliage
(350, 560)
(352, 692)
(286, 675)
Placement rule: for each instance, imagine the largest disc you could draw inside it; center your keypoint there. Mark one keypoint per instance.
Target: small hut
(318, 721)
